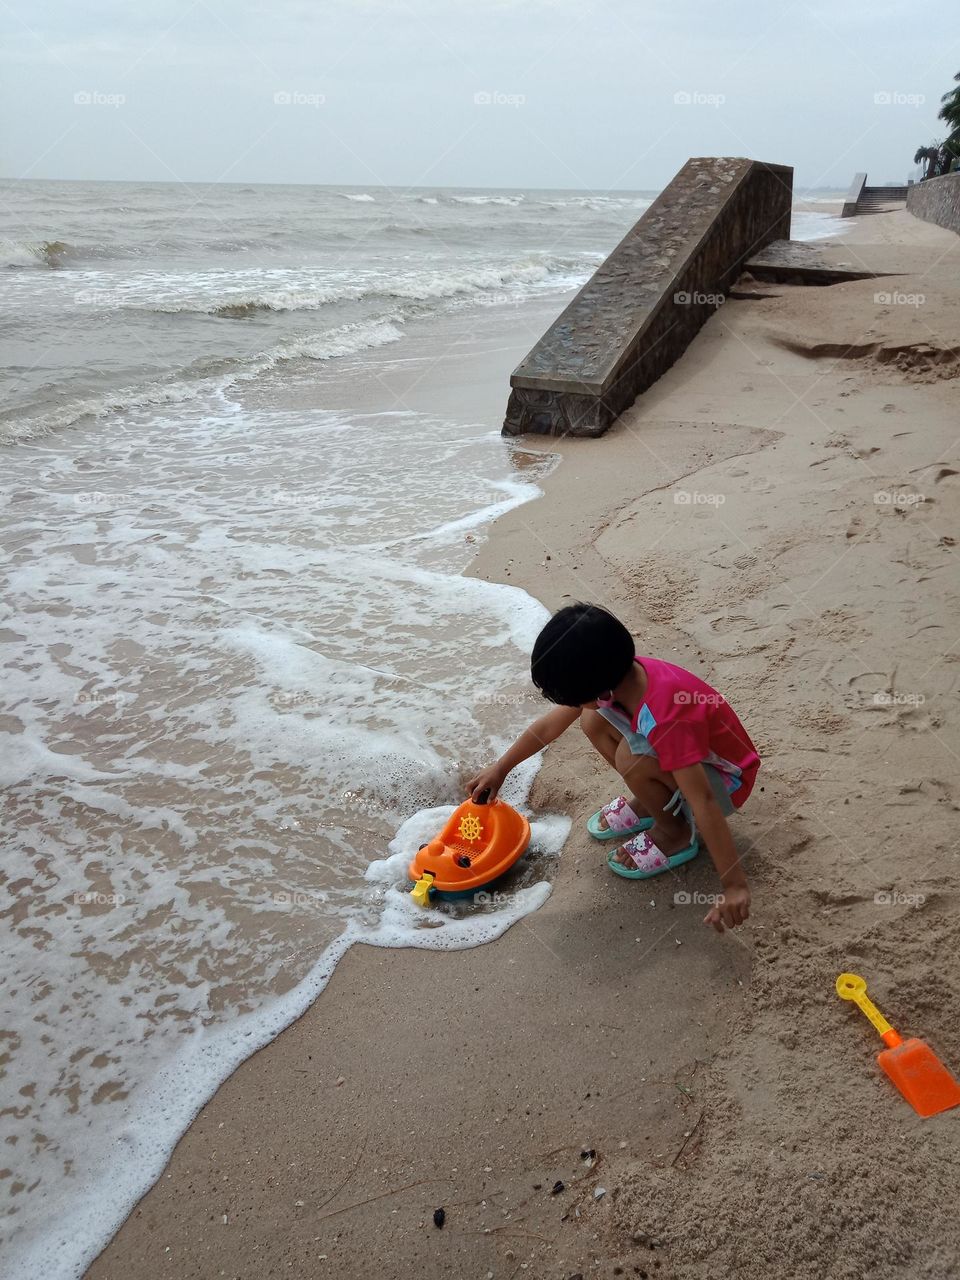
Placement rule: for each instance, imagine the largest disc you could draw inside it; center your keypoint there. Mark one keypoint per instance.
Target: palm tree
(940, 157)
(950, 112)
(930, 156)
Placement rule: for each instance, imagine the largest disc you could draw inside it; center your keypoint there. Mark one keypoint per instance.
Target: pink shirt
(686, 722)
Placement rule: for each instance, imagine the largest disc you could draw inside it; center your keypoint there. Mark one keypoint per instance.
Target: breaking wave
(206, 377)
(42, 253)
(508, 200)
(416, 287)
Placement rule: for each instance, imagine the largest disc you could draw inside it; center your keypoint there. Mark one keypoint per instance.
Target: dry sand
(739, 1121)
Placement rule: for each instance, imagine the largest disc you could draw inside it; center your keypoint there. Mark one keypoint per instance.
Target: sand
(611, 1088)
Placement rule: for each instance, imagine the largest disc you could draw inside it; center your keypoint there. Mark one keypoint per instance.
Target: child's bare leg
(608, 741)
(653, 789)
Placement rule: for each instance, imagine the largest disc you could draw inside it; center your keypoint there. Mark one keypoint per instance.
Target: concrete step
(802, 262)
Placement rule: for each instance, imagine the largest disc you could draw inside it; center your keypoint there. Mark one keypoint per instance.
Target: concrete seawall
(642, 307)
(853, 195)
(937, 200)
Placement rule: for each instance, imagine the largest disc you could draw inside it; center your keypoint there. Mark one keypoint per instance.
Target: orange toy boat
(479, 843)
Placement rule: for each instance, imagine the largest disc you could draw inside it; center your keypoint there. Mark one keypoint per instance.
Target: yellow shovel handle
(850, 986)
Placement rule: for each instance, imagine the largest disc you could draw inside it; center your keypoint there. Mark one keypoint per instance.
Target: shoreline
(475, 1082)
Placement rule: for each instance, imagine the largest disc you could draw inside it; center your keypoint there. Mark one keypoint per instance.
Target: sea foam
(243, 654)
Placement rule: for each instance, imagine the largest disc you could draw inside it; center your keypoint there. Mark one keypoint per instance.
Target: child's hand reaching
(732, 909)
(489, 779)
(532, 740)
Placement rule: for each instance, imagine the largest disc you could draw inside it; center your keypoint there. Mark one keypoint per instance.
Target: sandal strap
(620, 815)
(645, 855)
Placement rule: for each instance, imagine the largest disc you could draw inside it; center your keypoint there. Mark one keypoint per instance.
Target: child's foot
(640, 858)
(618, 818)
(649, 852)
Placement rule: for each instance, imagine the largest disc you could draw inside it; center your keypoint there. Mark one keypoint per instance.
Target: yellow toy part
(850, 986)
(470, 828)
(910, 1064)
(420, 892)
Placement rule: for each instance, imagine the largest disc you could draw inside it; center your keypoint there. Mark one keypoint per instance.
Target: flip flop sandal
(649, 860)
(621, 818)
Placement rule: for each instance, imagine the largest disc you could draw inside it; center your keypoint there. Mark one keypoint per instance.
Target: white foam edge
(818, 226)
(517, 491)
(185, 1084)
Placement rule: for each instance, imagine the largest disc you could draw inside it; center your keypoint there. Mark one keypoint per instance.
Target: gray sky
(517, 93)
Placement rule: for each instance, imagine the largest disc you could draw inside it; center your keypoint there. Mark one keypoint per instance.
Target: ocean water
(244, 673)
(120, 296)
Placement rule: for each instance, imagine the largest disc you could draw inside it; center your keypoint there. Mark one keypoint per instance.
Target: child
(685, 758)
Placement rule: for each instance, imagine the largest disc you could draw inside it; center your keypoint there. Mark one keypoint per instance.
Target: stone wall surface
(644, 304)
(937, 200)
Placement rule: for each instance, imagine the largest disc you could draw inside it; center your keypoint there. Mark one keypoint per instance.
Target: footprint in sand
(734, 630)
(917, 719)
(855, 527)
(840, 625)
(871, 693)
(735, 622)
(911, 793)
(838, 898)
(823, 718)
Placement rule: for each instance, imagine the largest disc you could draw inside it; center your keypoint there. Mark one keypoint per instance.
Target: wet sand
(713, 1089)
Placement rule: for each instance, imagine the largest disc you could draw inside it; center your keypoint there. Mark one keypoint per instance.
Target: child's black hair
(582, 652)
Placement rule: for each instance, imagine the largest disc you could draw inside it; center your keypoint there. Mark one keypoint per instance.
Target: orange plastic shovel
(911, 1064)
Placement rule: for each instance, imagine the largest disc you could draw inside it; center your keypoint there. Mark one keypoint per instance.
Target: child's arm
(734, 905)
(539, 735)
